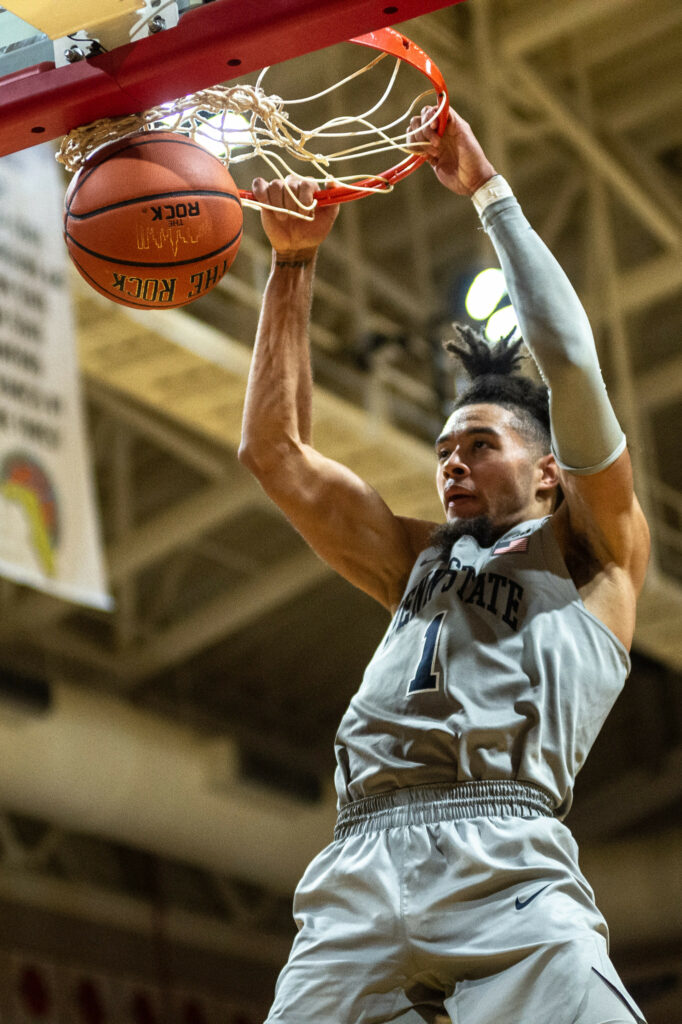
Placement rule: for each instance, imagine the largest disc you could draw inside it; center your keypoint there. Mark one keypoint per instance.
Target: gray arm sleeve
(586, 436)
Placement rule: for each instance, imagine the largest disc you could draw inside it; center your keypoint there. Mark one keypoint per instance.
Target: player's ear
(547, 474)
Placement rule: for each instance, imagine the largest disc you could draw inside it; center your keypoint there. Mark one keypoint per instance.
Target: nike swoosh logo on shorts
(520, 904)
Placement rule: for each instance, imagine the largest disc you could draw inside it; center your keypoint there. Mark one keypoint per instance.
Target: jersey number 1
(427, 674)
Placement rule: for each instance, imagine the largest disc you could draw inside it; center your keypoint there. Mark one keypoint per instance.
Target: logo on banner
(25, 484)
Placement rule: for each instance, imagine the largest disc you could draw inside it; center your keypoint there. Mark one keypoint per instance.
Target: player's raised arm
(587, 440)
(343, 519)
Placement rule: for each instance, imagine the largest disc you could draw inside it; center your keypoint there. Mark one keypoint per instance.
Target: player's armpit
(344, 520)
(419, 532)
(602, 507)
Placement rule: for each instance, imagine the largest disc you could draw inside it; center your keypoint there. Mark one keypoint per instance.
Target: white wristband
(495, 188)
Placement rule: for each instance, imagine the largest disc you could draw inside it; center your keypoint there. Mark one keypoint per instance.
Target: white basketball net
(272, 135)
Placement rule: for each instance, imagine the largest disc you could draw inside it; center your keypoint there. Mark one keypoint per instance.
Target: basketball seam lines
(152, 198)
(163, 263)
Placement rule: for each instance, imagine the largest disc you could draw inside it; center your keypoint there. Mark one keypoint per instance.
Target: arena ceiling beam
(176, 527)
(146, 422)
(226, 614)
(648, 171)
(179, 525)
(558, 213)
(598, 157)
(630, 32)
(637, 105)
(101, 905)
(526, 32)
(653, 281)
(404, 300)
(208, 623)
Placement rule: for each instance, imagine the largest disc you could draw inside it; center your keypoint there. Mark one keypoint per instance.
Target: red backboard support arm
(214, 43)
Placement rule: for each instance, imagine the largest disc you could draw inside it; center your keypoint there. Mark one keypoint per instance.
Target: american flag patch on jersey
(511, 544)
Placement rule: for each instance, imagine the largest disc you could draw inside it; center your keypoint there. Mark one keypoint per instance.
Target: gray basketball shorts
(464, 901)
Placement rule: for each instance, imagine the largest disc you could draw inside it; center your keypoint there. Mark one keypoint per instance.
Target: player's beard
(481, 528)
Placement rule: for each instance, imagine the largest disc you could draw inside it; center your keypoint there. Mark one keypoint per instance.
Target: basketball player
(452, 885)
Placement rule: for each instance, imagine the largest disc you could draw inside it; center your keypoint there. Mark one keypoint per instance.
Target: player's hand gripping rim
(456, 156)
(283, 204)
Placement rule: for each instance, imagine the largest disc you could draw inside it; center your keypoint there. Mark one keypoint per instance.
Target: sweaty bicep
(345, 521)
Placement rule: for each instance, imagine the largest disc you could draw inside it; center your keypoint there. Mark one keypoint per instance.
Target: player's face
(485, 467)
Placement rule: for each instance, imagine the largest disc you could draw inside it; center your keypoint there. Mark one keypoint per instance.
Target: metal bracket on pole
(99, 35)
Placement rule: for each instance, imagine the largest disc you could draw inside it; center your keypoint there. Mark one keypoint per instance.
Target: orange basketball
(152, 221)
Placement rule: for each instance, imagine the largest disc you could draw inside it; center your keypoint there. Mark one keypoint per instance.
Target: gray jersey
(491, 668)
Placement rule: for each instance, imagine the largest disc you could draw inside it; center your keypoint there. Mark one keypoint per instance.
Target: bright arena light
(485, 292)
(502, 323)
(228, 127)
(218, 131)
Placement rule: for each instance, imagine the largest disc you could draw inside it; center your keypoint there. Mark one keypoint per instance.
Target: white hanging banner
(49, 535)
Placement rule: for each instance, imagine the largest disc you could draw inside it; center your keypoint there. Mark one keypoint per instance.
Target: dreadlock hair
(494, 374)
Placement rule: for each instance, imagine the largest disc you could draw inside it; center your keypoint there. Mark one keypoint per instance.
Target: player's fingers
(415, 135)
(416, 143)
(429, 127)
(278, 197)
(307, 191)
(276, 192)
(267, 192)
(259, 187)
(292, 184)
(270, 195)
(423, 133)
(299, 192)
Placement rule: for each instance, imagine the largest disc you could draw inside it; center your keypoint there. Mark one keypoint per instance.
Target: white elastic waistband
(425, 805)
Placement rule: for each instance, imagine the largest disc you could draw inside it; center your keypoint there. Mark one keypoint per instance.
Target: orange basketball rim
(396, 45)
